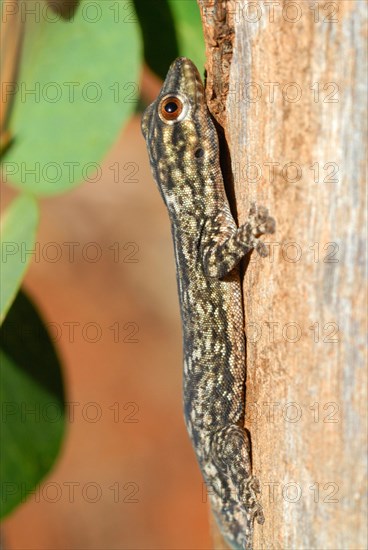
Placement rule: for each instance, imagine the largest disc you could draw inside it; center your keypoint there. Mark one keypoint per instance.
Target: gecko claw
(262, 249)
(269, 225)
(260, 223)
(256, 511)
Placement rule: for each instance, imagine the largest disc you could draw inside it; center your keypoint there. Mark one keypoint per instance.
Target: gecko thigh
(230, 451)
(231, 486)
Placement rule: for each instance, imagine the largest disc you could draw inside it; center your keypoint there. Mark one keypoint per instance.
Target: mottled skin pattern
(184, 157)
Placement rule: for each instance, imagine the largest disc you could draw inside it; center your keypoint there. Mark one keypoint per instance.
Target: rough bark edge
(218, 29)
(219, 35)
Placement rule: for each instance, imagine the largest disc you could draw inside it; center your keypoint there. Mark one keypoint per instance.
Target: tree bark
(287, 81)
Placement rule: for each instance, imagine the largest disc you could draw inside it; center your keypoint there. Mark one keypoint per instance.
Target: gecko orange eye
(171, 108)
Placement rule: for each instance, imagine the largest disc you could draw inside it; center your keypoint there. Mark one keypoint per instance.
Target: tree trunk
(287, 81)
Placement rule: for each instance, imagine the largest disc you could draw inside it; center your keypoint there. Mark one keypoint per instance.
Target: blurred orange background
(127, 477)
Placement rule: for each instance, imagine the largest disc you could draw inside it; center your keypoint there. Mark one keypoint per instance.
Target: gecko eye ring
(172, 108)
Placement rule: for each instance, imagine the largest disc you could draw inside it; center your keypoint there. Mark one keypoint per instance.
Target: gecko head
(181, 138)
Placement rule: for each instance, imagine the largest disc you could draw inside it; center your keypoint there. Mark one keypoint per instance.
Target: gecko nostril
(198, 153)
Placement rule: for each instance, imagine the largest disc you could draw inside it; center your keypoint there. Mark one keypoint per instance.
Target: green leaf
(180, 32)
(32, 404)
(18, 233)
(189, 30)
(77, 86)
(160, 47)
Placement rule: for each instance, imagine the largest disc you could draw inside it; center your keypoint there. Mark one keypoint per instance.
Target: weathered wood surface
(287, 80)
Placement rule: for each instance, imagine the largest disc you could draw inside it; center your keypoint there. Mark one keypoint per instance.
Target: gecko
(183, 149)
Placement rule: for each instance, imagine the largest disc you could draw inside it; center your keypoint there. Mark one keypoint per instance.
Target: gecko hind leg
(230, 450)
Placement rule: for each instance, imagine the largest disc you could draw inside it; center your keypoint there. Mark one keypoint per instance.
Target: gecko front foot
(259, 223)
